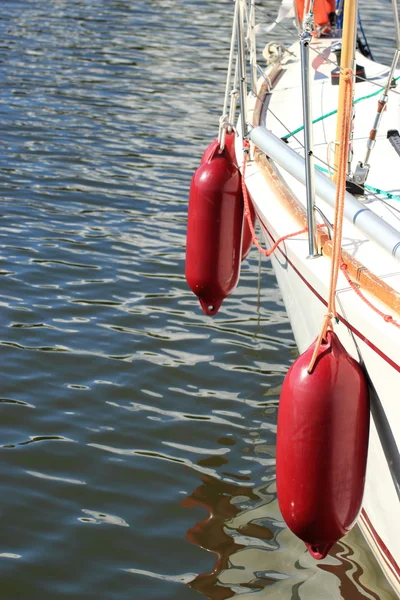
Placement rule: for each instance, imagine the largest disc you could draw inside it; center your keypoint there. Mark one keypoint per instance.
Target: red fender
(247, 236)
(322, 444)
(214, 232)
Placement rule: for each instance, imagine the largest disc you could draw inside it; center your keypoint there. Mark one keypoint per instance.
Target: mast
(347, 61)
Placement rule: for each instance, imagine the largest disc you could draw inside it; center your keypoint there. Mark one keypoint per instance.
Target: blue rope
(364, 36)
(339, 16)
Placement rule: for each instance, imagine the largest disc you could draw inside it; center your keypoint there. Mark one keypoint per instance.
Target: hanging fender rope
(339, 211)
(225, 117)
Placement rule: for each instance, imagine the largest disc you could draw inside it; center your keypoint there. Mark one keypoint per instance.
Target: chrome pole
(242, 68)
(308, 142)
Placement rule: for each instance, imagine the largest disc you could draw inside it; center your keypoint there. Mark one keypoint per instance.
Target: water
(137, 435)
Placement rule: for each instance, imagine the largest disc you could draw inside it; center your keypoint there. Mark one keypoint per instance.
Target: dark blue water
(137, 434)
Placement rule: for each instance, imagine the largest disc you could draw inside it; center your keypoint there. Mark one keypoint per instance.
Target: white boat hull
(381, 502)
(304, 286)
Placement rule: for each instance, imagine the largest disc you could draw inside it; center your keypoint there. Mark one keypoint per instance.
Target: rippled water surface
(137, 434)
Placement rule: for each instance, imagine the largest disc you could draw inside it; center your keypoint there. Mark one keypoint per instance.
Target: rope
(339, 211)
(354, 286)
(288, 135)
(337, 240)
(366, 44)
(382, 192)
(367, 187)
(224, 117)
(247, 213)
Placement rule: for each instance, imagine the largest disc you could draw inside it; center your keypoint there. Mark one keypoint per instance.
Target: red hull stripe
(321, 299)
(388, 558)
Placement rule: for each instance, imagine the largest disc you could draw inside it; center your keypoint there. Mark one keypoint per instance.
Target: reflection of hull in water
(210, 533)
(257, 557)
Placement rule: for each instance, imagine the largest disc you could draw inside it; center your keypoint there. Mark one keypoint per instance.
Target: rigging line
(299, 142)
(391, 209)
(369, 188)
(366, 44)
(294, 33)
(333, 112)
(371, 81)
(371, 191)
(389, 206)
(283, 125)
(336, 260)
(336, 65)
(223, 118)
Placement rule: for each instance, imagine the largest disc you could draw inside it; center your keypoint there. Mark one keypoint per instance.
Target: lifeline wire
(333, 62)
(333, 112)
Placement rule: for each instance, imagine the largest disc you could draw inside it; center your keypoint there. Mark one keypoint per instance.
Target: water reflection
(216, 497)
(257, 557)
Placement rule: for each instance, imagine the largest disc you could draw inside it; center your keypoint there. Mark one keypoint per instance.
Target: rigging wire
(372, 191)
(224, 116)
(359, 77)
(334, 63)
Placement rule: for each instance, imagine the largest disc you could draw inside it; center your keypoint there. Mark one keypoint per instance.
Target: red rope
(354, 286)
(247, 213)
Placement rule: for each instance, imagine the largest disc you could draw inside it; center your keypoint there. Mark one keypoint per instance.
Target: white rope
(251, 44)
(274, 52)
(224, 117)
(234, 95)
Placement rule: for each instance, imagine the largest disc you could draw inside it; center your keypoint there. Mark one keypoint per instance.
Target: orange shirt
(322, 8)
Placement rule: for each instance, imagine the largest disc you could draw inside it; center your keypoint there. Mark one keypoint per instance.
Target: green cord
(333, 112)
(368, 187)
